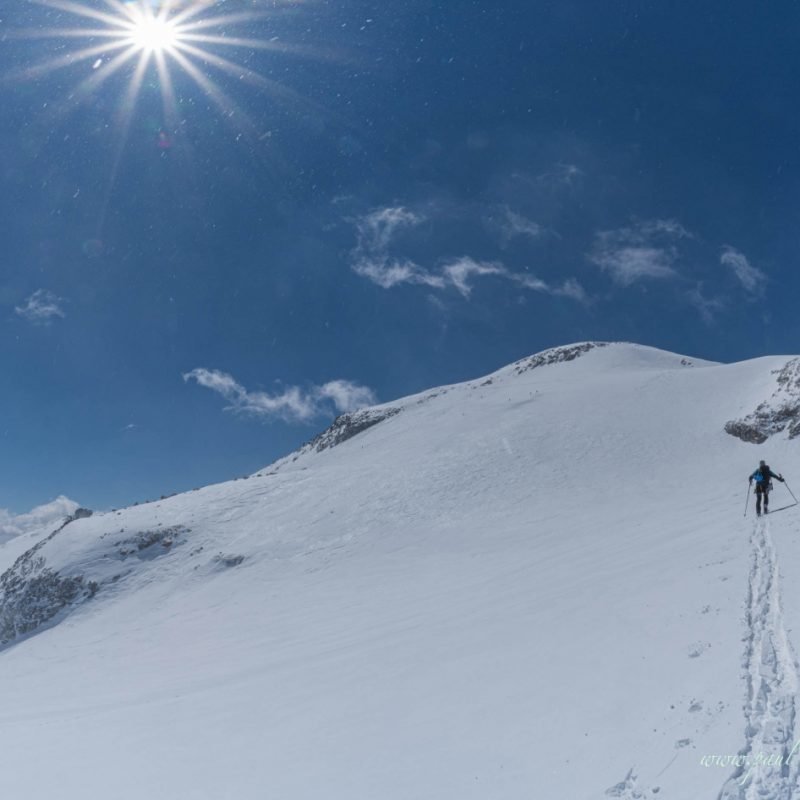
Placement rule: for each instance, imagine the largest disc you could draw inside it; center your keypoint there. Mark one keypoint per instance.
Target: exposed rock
(229, 560)
(745, 432)
(781, 412)
(556, 355)
(145, 544)
(347, 426)
(32, 593)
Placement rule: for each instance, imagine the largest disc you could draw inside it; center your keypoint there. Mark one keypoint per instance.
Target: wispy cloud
(293, 404)
(372, 259)
(388, 272)
(645, 250)
(628, 264)
(572, 289)
(41, 308)
(377, 228)
(708, 307)
(751, 278)
(515, 225)
(345, 395)
(46, 516)
(458, 273)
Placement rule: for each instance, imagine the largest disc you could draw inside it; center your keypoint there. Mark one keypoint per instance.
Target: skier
(763, 477)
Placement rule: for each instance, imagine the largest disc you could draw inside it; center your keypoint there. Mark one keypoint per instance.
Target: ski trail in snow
(771, 673)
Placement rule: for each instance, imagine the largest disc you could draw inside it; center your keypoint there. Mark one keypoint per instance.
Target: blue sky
(424, 192)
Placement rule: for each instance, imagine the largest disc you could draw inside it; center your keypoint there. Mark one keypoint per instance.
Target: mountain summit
(538, 583)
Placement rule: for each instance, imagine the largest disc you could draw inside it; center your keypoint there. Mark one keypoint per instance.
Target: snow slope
(536, 584)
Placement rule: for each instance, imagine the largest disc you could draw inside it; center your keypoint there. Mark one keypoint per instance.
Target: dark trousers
(762, 490)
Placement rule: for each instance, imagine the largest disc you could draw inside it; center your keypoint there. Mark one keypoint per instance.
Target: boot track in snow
(772, 768)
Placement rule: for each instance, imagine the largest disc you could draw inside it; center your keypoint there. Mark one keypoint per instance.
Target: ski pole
(748, 498)
(790, 491)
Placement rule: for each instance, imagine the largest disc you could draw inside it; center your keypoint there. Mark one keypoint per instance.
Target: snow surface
(538, 584)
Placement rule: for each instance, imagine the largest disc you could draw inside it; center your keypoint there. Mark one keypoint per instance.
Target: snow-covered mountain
(535, 584)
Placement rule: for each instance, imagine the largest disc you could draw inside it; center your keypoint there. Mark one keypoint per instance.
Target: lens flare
(192, 38)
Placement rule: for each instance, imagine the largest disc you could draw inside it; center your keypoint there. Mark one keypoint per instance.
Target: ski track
(771, 675)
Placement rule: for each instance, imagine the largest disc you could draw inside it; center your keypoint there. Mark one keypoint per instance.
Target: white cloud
(372, 258)
(47, 516)
(377, 228)
(645, 250)
(41, 308)
(572, 289)
(345, 395)
(386, 272)
(459, 272)
(626, 265)
(530, 282)
(515, 225)
(752, 278)
(292, 404)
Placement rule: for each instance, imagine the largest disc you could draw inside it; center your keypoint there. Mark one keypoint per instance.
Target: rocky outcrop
(34, 593)
(556, 356)
(346, 426)
(745, 431)
(31, 593)
(779, 413)
(149, 544)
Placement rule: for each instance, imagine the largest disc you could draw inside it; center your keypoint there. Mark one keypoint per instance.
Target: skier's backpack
(759, 477)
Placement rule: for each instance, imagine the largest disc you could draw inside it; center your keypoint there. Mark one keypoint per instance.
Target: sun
(154, 34)
(165, 39)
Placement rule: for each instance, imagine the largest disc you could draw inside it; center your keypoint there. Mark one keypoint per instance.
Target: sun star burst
(172, 37)
(154, 34)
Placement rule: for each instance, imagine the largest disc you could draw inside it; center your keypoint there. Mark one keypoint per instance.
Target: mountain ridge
(473, 586)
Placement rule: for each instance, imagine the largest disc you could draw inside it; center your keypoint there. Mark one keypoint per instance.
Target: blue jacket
(766, 475)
